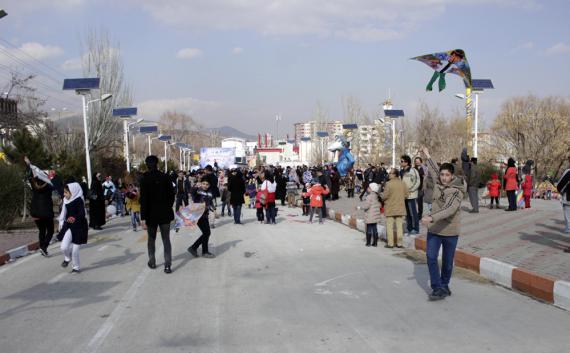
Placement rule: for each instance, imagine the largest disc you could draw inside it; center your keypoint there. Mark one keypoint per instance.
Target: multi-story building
(310, 129)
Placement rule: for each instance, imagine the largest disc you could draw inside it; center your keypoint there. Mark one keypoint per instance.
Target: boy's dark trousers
(204, 226)
(260, 215)
(319, 212)
(306, 209)
(371, 234)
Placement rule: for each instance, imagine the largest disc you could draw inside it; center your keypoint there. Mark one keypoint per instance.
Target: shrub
(11, 193)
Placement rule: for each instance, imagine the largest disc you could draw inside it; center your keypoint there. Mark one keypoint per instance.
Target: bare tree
(534, 128)
(102, 59)
(179, 125)
(30, 111)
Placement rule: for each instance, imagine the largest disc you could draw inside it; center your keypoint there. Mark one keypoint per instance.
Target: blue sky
(239, 63)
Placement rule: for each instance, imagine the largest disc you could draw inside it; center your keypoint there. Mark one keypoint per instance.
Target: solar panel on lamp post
(83, 87)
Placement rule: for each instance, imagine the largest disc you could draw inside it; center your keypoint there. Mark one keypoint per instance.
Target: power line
(34, 59)
(31, 67)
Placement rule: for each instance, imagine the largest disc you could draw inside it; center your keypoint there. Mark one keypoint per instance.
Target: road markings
(103, 248)
(324, 283)
(56, 278)
(99, 337)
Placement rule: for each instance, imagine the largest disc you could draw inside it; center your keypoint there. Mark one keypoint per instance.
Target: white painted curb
(562, 294)
(345, 219)
(497, 271)
(331, 214)
(18, 252)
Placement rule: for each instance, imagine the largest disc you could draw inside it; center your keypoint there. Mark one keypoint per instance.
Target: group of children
(494, 190)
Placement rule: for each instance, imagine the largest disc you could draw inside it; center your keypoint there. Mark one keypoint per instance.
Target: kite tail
(429, 86)
(441, 82)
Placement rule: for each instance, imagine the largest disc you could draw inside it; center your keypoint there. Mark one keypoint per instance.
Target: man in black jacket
(156, 198)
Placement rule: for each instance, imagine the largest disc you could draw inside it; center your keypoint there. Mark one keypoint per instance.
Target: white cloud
(237, 51)
(36, 50)
(361, 20)
(72, 64)
(155, 107)
(558, 48)
(189, 53)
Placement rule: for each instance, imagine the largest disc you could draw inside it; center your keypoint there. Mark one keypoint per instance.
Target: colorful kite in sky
(453, 61)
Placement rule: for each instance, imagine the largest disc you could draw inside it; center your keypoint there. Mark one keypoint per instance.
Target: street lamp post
(277, 119)
(478, 87)
(126, 114)
(393, 114)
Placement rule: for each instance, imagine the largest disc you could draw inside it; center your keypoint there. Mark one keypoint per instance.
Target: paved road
(532, 239)
(292, 287)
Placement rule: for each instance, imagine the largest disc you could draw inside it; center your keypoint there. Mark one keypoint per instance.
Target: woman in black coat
(42, 212)
(281, 191)
(236, 187)
(96, 203)
(73, 225)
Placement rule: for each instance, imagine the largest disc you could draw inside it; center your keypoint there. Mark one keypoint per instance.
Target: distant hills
(76, 122)
(228, 131)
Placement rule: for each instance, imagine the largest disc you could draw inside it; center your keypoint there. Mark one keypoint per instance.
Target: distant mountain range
(228, 131)
(76, 122)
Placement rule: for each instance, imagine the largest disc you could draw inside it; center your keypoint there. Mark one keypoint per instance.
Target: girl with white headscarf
(73, 225)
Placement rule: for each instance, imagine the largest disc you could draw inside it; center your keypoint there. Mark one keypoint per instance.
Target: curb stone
(538, 286)
(21, 251)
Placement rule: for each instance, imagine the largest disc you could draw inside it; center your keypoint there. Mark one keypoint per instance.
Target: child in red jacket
(259, 206)
(316, 193)
(527, 190)
(494, 187)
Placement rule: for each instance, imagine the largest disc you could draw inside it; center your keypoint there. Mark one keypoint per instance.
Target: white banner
(225, 157)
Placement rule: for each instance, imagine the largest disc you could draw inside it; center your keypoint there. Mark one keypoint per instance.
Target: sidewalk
(531, 239)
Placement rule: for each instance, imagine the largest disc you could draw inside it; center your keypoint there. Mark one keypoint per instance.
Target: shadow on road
(84, 293)
(127, 257)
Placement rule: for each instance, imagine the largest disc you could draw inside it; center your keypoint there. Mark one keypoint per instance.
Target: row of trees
(526, 128)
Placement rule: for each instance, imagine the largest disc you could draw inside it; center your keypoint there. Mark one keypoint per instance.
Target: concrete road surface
(293, 287)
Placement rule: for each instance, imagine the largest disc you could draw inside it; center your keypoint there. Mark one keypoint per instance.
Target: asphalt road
(292, 287)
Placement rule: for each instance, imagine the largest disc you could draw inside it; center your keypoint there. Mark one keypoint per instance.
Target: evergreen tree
(24, 144)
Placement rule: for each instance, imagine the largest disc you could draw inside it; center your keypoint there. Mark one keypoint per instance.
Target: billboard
(225, 157)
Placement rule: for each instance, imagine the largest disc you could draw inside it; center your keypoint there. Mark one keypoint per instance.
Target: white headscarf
(76, 192)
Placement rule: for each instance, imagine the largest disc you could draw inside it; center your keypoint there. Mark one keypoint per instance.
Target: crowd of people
(153, 198)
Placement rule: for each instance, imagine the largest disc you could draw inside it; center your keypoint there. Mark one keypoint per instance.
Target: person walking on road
(133, 206)
(236, 187)
(472, 175)
(41, 210)
(394, 197)
(268, 189)
(316, 193)
(96, 203)
(511, 184)
(372, 215)
(182, 189)
(156, 199)
(202, 194)
(411, 178)
(73, 226)
(563, 188)
(444, 225)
